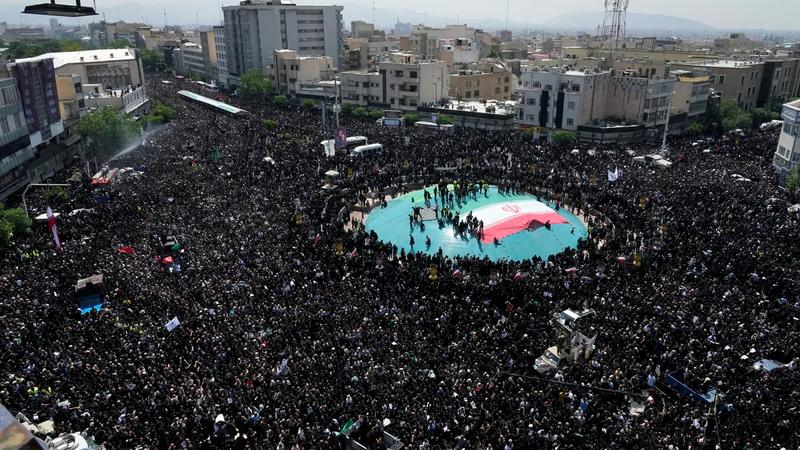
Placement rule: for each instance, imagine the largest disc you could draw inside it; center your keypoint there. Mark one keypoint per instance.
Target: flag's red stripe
(518, 223)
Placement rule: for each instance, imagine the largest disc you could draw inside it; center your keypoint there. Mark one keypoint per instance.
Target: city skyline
(737, 14)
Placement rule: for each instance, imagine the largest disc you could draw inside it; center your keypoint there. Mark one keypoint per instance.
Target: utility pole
(666, 125)
(337, 108)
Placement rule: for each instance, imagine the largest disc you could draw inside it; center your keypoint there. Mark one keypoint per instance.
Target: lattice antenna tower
(614, 21)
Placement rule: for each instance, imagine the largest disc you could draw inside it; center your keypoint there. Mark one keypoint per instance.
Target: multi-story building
(690, 101)
(288, 69)
(490, 80)
(222, 59)
(112, 77)
(599, 105)
(780, 83)
(208, 44)
(363, 30)
(737, 80)
(365, 52)
(255, 28)
(458, 51)
(787, 155)
(403, 82)
(189, 61)
(506, 36)
(15, 149)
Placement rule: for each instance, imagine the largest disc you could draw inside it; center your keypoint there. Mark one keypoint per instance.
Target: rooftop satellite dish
(54, 9)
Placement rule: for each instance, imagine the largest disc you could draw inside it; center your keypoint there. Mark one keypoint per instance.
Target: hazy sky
(729, 14)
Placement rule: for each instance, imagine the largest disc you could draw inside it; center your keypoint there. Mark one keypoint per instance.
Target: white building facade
(255, 28)
(787, 155)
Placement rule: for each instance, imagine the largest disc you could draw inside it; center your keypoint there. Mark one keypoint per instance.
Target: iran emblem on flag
(501, 220)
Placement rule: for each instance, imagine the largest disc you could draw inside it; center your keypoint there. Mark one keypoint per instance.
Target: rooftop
(88, 56)
(502, 108)
(725, 64)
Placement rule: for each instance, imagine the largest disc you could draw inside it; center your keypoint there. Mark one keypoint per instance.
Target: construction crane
(57, 9)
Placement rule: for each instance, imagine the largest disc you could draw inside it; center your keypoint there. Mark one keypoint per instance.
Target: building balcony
(129, 100)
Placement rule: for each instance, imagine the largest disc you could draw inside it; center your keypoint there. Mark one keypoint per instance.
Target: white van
(368, 150)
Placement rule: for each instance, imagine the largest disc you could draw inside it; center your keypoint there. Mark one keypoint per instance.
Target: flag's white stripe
(499, 212)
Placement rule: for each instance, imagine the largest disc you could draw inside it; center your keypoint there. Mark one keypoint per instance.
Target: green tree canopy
(13, 222)
(695, 128)
(108, 130)
(307, 103)
(120, 43)
(270, 124)
(410, 119)
(375, 114)
(281, 100)
(564, 138)
(793, 180)
(255, 84)
(160, 113)
(761, 115)
(150, 59)
(444, 119)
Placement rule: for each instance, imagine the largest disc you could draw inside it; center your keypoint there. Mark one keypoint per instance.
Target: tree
(120, 43)
(564, 138)
(255, 84)
(739, 121)
(270, 124)
(695, 128)
(13, 222)
(410, 119)
(375, 114)
(493, 54)
(793, 180)
(307, 103)
(761, 115)
(360, 112)
(444, 119)
(66, 45)
(731, 117)
(281, 100)
(160, 114)
(347, 109)
(150, 59)
(108, 130)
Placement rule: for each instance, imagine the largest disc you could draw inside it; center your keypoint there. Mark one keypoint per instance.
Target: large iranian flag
(504, 219)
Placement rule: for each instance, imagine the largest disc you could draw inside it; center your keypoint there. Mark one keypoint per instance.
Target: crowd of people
(291, 324)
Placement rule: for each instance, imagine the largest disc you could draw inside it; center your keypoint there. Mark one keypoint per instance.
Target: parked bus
(208, 87)
(432, 125)
(367, 150)
(329, 146)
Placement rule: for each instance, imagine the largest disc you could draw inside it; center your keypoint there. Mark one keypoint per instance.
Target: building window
(532, 101)
(570, 122)
(537, 85)
(571, 105)
(477, 94)
(722, 79)
(467, 95)
(398, 73)
(497, 90)
(505, 89)
(412, 74)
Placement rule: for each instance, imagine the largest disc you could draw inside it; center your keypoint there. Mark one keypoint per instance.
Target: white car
(548, 361)
(74, 441)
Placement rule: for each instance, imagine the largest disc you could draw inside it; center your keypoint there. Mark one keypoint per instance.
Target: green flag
(347, 426)
(217, 154)
(176, 247)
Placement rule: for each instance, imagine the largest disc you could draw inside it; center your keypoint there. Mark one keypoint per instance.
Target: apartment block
(288, 69)
(255, 28)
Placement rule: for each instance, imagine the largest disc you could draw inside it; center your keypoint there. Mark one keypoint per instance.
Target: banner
(172, 324)
(341, 138)
(51, 225)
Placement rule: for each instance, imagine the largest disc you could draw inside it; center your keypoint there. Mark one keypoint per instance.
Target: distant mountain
(589, 21)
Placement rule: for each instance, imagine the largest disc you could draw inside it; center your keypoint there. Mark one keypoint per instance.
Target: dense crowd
(292, 324)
